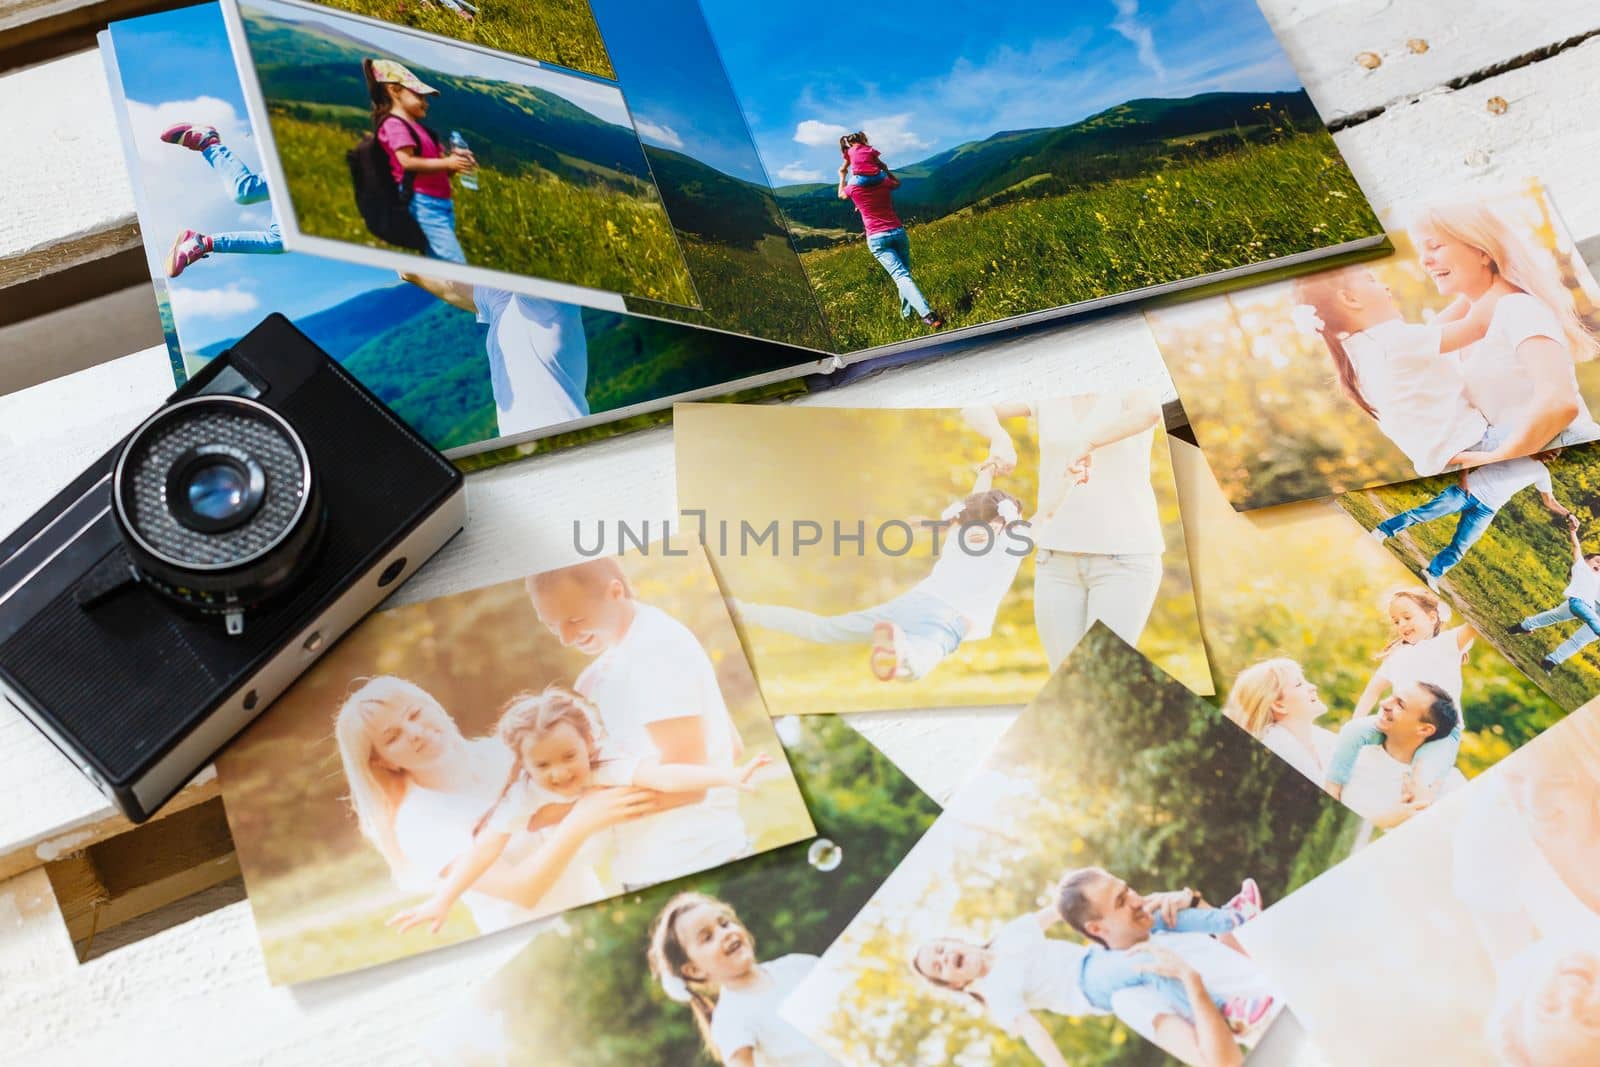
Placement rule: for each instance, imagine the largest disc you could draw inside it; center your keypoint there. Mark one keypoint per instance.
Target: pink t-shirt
(395, 134)
(864, 160)
(876, 204)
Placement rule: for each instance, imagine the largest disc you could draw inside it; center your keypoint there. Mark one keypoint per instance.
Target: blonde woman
(1275, 704)
(418, 788)
(1521, 375)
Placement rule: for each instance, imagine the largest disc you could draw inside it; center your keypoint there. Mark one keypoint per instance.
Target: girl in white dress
(558, 756)
(704, 957)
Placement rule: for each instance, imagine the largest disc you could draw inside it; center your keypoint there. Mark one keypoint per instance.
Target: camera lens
(216, 502)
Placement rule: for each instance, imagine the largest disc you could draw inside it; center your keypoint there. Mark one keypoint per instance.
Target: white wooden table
(197, 993)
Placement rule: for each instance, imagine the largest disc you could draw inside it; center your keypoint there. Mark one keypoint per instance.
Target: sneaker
(198, 138)
(1244, 1013)
(1247, 902)
(1516, 628)
(1378, 535)
(885, 659)
(188, 248)
(1549, 664)
(1431, 581)
(933, 321)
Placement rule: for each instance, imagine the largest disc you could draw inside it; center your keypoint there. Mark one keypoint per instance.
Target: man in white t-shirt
(1477, 498)
(1583, 602)
(1411, 716)
(658, 698)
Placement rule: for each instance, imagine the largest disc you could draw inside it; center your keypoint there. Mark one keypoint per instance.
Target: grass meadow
(979, 265)
(555, 31)
(528, 222)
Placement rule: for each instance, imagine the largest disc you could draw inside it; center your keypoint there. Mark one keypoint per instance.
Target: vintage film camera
(179, 585)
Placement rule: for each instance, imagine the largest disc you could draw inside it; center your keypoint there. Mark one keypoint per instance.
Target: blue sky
(177, 67)
(923, 77)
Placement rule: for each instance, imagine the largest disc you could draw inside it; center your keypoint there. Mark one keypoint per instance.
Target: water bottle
(458, 143)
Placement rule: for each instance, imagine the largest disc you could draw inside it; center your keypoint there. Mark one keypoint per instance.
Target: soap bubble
(824, 855)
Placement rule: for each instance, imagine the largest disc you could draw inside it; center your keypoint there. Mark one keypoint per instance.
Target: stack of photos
(1515, 547)
(935, 557)
(1472, 939)
(475, 761)
(1474, 343)
(1338, 660)
(469, 367)
(1086, 885)
(694, 971)
(737, 166)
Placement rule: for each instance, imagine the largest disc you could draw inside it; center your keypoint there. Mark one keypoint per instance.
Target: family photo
(958, 563)
(397, 148)
(475, 761)
(1515, 547)
(1507, 948)
(1475, 342)
(1343, 664)
(1084, 890)
(694, 971)
(998, 162)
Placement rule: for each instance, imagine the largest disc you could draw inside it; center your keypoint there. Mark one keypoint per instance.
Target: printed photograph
(562, 32)
(1349, 668)
(1079, 899)
(1475, 342)
(1515, 547)
(420, 149)
(463, 365)
(1485, 921)
(981, 161)
(472, 762)
(938, 557)
(694, 971)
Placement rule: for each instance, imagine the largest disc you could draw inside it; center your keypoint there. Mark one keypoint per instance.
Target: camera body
(178, 586)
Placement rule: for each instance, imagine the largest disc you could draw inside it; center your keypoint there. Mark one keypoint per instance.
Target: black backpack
(385, 207)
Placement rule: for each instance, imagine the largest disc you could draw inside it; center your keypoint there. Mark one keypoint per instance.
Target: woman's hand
(432, 911)
(1150, 959)
(1470, 458)
(748, 771)
(599, 809)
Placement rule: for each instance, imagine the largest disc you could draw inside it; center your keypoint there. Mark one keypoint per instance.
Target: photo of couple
(961, 565)
(695, 971)
(1507, 947)
(504, 754)
(1474, 343)
(1355, 673)
(1088, 883)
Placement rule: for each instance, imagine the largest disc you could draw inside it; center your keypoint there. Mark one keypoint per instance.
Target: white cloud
(1127, 23)
(891, 134)
(657, 133)
(215, 303)
(799, 172)
(815, 134)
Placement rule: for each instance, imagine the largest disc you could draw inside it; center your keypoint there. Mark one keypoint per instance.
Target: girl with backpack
(417, 158)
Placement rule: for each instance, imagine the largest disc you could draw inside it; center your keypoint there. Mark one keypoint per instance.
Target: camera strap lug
(234, 621)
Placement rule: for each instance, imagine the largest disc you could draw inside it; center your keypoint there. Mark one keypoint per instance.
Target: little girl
(704, 957)
(866, 166)
(1393, 369)
(956, 602)
(400, 101)
(1421, 651)
(557, 756)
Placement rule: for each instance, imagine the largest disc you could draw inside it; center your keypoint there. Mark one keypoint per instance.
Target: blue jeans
(1213, 921)
(437, 217)
(1572, 609)
(866, 179)
(932, 628)
(245, 187)
(1106, 972)
(892, 250)
(1431, 762)
(1473, 524)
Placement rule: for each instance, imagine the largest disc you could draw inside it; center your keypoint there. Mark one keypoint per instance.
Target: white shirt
(749, 1019)
(1436, 659)
(974, 580)
(1499, 385)
(657, 672)
(1497, 483)
(538, 359)
(1032, 972)
(1584, 583)
(1226, 974)
(1311, 763)
(1374, 786)
(1419, 393)
(1115, 511)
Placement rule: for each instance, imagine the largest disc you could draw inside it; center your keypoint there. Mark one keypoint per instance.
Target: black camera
(180, 584)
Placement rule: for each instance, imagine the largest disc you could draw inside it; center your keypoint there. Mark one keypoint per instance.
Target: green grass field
(531, 223)
(557, 31)
(981, 265)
